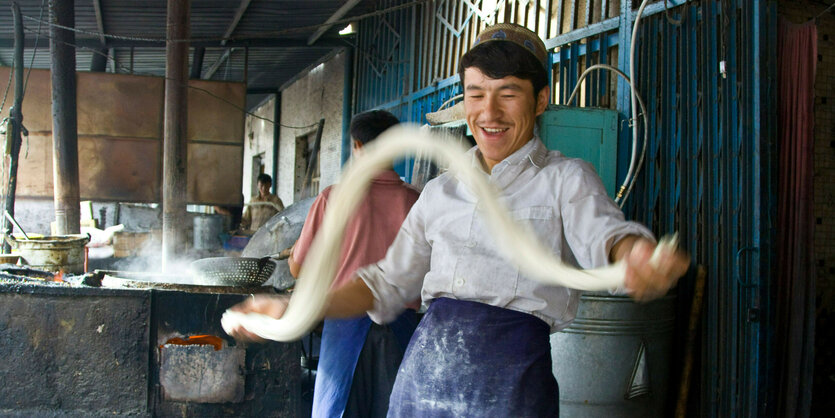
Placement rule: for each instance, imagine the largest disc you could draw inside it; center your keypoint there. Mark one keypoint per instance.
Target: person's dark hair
(265, 178)
(367, 126)
(499, 59)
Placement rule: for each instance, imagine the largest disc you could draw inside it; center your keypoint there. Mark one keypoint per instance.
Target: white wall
(316, 95)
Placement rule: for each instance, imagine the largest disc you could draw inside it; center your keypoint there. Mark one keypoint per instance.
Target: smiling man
(482, 348)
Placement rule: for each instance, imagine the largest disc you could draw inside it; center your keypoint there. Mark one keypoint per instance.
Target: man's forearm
(351, 300)
(623, 247)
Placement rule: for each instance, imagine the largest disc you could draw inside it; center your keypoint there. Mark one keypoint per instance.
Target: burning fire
(59, 276)
(217, 342)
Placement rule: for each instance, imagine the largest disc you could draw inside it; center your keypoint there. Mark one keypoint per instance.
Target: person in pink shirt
(358, 359)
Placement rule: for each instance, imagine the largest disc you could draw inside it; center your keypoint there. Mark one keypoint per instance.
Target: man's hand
(647, 280)
(270, 305)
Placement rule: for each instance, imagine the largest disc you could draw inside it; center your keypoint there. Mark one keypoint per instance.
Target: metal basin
(52, 253)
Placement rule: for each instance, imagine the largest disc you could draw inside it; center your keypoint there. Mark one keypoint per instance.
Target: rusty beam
(64, 118)
(175, 155)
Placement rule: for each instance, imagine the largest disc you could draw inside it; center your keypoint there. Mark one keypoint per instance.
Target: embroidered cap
(517, 34)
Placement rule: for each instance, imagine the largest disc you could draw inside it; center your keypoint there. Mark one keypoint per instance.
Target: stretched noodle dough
(309, 299)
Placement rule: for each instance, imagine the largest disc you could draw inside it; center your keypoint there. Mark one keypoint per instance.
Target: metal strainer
(233, 271)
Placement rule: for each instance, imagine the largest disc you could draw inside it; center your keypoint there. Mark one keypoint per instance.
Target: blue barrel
(614, 359)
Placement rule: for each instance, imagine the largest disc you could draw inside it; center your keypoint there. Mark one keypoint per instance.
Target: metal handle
(14, 222)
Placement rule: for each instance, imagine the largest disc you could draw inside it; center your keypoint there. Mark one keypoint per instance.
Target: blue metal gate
(709, 87)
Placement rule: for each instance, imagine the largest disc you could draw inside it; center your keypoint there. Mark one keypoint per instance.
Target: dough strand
(309, 298)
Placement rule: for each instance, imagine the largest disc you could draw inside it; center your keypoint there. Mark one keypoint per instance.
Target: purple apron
(476, 360)
(339, 350)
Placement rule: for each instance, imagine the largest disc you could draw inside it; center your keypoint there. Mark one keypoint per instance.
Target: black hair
(367, 126)
(265, 178)
(499, 59)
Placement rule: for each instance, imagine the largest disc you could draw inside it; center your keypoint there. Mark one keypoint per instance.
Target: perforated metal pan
(235, 271)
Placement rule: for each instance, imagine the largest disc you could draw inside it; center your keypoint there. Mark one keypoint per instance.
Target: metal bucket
(207, 230)
(52, 253)
(614, 359)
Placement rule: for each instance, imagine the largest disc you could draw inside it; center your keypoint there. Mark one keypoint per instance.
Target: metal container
(614, 359)
(207, 230)
(52, 253)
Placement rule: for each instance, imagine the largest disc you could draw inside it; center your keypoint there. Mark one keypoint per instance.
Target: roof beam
(95, 43)
(211, 71)
(235, 20)
(329, 23)
(99, 21)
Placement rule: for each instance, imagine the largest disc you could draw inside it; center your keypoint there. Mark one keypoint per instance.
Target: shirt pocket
(541, 222)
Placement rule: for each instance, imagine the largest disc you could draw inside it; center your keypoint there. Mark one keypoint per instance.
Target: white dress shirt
(445, 249)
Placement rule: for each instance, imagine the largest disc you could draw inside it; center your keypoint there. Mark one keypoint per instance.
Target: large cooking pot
(52, 253)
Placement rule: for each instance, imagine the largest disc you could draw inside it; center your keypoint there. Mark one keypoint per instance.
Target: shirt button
(459, 282)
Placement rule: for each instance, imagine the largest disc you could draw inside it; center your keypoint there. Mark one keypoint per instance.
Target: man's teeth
(494, 130)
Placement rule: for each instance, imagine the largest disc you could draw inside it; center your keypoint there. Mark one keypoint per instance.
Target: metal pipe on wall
(64, 118)
(175, 150)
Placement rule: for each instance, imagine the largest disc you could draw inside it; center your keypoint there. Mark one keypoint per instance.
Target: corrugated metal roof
(271, 34)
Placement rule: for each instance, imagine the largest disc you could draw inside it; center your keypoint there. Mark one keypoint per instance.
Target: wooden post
(64, 118)
(15, 121)
(175, 154)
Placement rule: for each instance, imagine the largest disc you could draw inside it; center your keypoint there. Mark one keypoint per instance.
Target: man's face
(264, 188)
(501, 113)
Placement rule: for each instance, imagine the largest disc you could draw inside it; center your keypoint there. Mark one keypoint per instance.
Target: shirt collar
(533, 151)
(387, 176)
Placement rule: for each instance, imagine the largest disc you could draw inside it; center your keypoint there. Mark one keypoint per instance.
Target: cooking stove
(75, 347)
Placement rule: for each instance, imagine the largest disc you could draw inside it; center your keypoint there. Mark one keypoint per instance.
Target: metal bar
(216, 65)
(16, 122)
(235, 20)
(98, 62)
(99, 21)
(559, 25)
(347, 112)
(197, 63)
(175, 155)
(623, 24)
(276, 141)
(603, 76)
(92, 43)
(591, 30)
(342, 11)
(112, 61)
(572, 24)
(64, 119)
(718, 311)
(649, 63)
(548, 19)
(412, 56)
(588, 13)
(593, 46)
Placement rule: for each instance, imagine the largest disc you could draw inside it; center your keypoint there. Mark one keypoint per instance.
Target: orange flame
(217, 342)
(59, 276)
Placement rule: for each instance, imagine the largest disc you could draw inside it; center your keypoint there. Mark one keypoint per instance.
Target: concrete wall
(258, 141)
(316, 95)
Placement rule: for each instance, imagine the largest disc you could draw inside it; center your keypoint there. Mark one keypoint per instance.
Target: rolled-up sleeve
(593, 222)
(396, 280)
